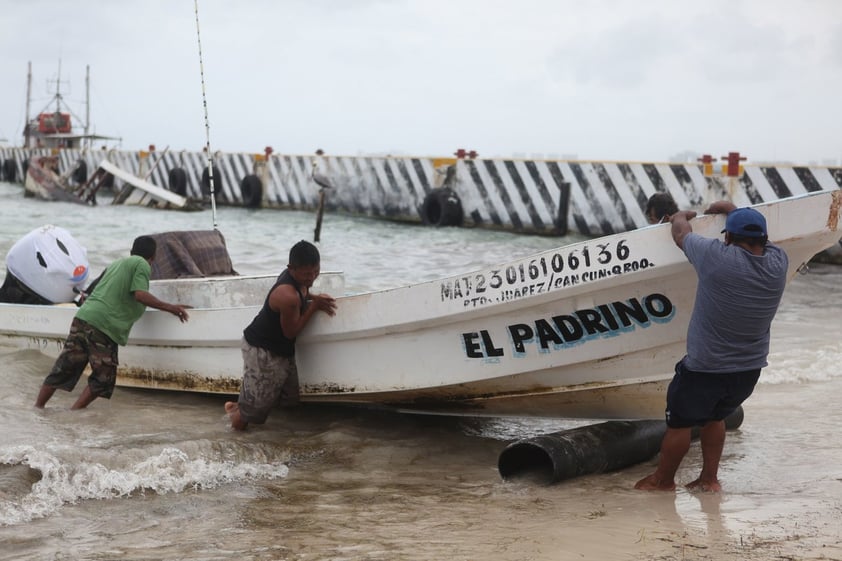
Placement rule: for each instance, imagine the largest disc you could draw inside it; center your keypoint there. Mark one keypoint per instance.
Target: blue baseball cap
(746, 222)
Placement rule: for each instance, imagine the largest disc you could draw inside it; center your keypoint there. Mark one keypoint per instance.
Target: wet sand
(782, 493)
(370, 485)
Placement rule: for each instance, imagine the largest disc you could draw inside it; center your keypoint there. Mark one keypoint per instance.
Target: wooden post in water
(324, 183)
(319, 214)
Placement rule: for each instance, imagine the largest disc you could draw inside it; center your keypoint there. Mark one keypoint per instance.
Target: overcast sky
(597, 79)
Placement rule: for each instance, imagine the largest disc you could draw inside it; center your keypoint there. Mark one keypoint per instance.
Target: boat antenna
(27, 132)
(207, 124)
(87, 140)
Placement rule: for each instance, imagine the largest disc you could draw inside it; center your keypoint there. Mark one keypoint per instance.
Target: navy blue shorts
(694, 398)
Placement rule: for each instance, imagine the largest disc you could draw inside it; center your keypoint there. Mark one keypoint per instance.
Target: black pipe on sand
(598, 448)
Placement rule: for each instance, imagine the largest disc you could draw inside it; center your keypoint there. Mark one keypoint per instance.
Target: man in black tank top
(268, 344)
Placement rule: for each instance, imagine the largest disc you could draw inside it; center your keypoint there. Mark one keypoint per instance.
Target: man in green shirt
(102, 323)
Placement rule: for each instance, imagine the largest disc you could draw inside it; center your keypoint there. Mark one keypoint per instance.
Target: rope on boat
(207, 124)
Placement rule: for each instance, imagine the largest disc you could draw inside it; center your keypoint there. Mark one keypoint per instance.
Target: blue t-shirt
(736, 299)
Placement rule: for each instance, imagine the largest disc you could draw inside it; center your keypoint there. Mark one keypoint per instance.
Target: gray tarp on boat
(185, 254)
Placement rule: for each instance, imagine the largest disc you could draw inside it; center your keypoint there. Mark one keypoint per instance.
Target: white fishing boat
(47, 266)
(201, 355)
(590, 330)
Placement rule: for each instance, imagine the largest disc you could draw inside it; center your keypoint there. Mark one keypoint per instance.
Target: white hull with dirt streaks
(590, 330)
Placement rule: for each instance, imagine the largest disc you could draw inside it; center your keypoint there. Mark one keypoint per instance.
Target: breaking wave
(805, 364)
(36, 483)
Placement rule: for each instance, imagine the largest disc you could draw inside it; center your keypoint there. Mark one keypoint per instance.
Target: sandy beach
(781, 471)
(368, 485)
(781, 498)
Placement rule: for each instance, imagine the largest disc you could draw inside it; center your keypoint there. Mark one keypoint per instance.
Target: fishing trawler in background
(52, 131)
(55, 128)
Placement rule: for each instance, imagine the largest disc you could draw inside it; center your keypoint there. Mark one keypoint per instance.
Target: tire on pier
(178, 181)
(442, 207)
(251, 189)
(80, 174)
(217, 181)
(10, 171)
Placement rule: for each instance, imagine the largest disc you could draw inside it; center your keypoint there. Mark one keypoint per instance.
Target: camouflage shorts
(85, 344)
(268, 380)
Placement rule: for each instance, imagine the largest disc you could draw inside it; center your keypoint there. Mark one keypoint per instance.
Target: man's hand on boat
(180, 312)
(177, 310)
(324, 303)
(147, 299)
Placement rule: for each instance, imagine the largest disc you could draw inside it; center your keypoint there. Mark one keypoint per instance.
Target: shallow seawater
(159, 475)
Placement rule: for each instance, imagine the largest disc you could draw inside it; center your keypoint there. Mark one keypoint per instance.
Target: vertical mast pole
(26, 124)
(87, 106)
(207, 124)
(58, 96)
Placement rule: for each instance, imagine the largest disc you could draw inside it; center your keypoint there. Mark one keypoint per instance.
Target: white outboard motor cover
(50, 263)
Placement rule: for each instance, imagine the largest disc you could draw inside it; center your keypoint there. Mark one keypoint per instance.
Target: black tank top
(265, 329)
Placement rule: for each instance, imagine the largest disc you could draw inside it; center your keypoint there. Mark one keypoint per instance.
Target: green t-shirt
(111, 307)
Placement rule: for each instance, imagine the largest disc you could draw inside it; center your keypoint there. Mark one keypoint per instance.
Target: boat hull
(591, 330)
(200, 355)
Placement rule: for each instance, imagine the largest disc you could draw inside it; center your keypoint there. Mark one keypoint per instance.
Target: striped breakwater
(545, 197)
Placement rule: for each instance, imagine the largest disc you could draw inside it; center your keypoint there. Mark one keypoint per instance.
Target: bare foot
(706, 486)
(233, 410)
(653, 483)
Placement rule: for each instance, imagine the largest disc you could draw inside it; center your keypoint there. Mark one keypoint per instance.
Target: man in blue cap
(741, 281)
